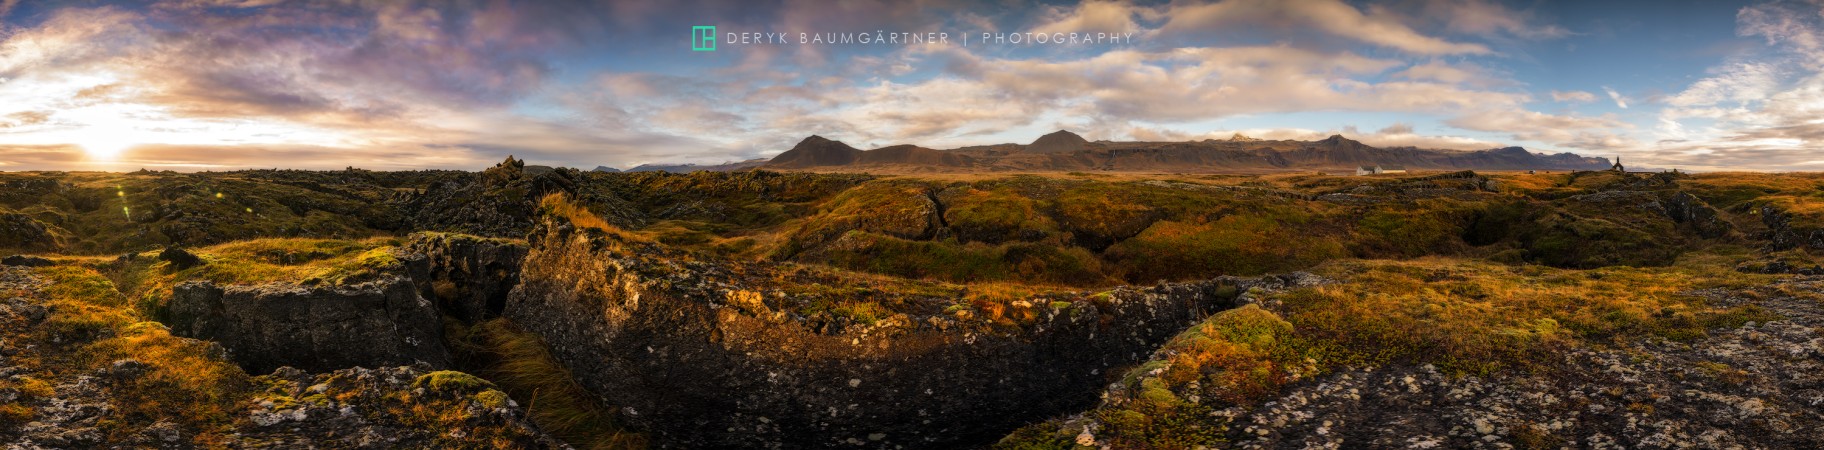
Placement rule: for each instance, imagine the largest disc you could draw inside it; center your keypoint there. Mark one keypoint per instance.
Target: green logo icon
(703, 38)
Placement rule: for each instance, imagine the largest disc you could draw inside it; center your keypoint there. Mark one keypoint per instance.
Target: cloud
(1093, 16)
(390, 78)
(1573, 96)
(1379, 26)
(1396, 135)
(1755, 112)
(1620, 101)
(1489, 18)
(1589, 133)
(436, 85)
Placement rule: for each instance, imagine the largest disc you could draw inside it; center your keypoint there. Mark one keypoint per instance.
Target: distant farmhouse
(1377, 170)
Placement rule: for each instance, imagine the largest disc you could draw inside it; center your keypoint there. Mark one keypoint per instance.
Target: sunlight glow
(104, 146)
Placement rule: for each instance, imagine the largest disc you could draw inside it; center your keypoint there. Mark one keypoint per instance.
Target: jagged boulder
(264, 327)
(467, 276)
(716, 354)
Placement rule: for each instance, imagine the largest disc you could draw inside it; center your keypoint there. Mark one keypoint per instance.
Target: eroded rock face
(1784, 236)
(695, 355)
(467, 276)
(379, 323)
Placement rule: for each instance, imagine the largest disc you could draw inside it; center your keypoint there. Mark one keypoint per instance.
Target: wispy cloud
(1573, 96)
(1620, 102)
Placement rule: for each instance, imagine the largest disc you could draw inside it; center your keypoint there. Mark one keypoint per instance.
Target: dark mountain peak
(607, 169)
(1338, 142)
(1517, 151)
(1339, 139)
(815, 151)
(1060, 141)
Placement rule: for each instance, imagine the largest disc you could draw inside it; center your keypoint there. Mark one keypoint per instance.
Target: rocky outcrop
(20, 231)
(1749, 386)
(171, 393)
(467, 276)
(1783, 235)
(1687, 209)
(718, 355)
(379, 323)
(498, 202)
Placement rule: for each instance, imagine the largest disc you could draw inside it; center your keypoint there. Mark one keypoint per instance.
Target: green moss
(451, 381)
(1039, 436)
(491, 398)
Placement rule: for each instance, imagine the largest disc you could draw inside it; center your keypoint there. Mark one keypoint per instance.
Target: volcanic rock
(320, 329)
(711, 354)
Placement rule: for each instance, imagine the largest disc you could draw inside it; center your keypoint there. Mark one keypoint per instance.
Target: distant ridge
(1064, 151)
(688, 168)
(817, 151)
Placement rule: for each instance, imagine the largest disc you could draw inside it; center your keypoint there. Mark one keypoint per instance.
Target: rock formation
(706, 354)
(372, 324)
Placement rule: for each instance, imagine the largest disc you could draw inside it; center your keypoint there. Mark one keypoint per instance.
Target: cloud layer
(201, 84)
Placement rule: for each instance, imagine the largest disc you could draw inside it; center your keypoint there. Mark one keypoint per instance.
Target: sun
(105, 146)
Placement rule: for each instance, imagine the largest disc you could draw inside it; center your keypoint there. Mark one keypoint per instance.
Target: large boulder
(708, 354)
(378, 323)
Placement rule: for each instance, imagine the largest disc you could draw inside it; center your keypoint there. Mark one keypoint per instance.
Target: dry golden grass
(181, 375)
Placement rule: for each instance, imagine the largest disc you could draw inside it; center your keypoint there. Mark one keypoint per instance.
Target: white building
(1377, 170)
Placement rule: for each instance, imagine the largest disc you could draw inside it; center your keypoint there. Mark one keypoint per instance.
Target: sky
(193, 85)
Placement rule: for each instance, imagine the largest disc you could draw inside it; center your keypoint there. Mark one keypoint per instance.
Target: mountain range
(1066, 151)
